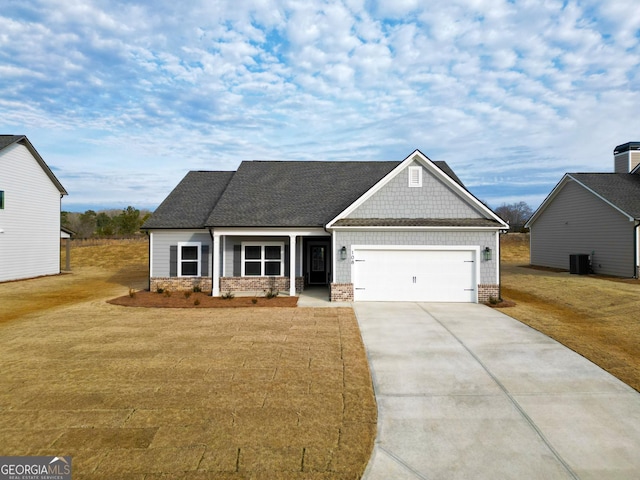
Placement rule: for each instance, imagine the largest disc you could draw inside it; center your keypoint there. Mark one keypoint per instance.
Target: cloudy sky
(122, 98)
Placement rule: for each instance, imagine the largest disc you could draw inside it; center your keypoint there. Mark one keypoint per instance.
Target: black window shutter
(286, 261)
(237, 260)
(204, 267)
(173, 261)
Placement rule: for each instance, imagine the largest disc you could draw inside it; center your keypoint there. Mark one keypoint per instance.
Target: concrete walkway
(318, 297)
(466, 392)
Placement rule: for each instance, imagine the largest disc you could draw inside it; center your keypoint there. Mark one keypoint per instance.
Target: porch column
(292, 265)
(215, 274)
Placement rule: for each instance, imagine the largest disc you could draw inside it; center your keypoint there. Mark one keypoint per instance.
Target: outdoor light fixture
(486, 254)
(343, 253)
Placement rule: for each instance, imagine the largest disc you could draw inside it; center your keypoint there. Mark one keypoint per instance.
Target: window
(1, 199)
(415, 176)
(189, 259)
(263, 259)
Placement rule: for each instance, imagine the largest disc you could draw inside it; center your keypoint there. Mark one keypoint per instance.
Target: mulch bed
(198, 300)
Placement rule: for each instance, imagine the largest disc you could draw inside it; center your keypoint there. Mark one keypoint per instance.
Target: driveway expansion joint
(513, 401)
(402, 463)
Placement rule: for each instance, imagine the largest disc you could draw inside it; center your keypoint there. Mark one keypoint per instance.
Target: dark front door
(317, 260)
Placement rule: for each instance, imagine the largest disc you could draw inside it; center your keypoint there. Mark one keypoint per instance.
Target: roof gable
(8, 140)
(433, 198)
(441, 172)
(293, 193)
(620, 190)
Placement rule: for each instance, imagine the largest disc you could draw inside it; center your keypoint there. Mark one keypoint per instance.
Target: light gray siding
(30, 220)
(578, 222)
(433, 200)
(488, 269)
(164, 239)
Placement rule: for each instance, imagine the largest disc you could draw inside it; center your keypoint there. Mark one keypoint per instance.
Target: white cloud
(162, 87)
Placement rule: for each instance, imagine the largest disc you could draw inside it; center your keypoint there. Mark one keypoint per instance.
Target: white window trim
(262, 260)
(198, 260)
(415, 177)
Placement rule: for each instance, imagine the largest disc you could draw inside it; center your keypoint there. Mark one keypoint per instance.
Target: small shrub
(254, 300)
(493, 300)
(167, 293)
(160, 290)
(197, 289)
(132, 292)
(271, 293)
(227, 296)
(187, 294)
(196, 301)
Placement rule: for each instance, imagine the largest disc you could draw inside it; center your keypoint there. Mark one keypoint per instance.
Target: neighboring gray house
(595, 214)
(30, 196)
(366, 230)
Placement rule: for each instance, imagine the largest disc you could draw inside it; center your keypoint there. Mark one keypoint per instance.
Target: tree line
(105, 223)
(127, 222)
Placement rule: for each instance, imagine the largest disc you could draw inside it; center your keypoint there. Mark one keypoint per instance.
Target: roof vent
(626, 157)
(415, 176)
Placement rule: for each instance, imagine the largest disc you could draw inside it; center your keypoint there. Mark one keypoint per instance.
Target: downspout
(58, 235)
(333, 257)
(211, 259)
(635, 249)
(146, 232)
(498, 266)
(500, 232)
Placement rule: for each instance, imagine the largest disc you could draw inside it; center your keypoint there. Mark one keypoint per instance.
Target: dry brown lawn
(597, 317)
(146, 393)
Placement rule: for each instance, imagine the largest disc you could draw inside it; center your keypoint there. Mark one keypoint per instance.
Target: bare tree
(516, 214)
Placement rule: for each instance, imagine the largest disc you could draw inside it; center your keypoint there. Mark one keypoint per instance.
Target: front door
(317, 261)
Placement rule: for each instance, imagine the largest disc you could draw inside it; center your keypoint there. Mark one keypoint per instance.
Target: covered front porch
(270, 260)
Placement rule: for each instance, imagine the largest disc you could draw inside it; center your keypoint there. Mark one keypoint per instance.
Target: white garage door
(388, 274)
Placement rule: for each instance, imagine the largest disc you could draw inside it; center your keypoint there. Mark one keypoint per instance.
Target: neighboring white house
(30, 196)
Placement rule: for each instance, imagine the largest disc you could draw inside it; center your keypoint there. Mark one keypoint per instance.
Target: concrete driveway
(466, 392)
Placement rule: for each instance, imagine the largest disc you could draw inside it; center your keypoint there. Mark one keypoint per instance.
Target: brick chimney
(626, 157)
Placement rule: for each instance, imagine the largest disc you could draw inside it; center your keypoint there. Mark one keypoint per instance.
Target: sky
(122, 98)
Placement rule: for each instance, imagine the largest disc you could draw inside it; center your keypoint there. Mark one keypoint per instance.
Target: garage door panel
(415, 275)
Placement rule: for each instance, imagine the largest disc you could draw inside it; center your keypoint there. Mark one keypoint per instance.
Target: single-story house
(30, 201)
(403, 231)
(594, 216)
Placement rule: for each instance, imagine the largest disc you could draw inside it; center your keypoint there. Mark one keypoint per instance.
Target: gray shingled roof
(416, 222)
(294, 194)
(191, 202)
(6, 140)
(270, 194)
(621, 189)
